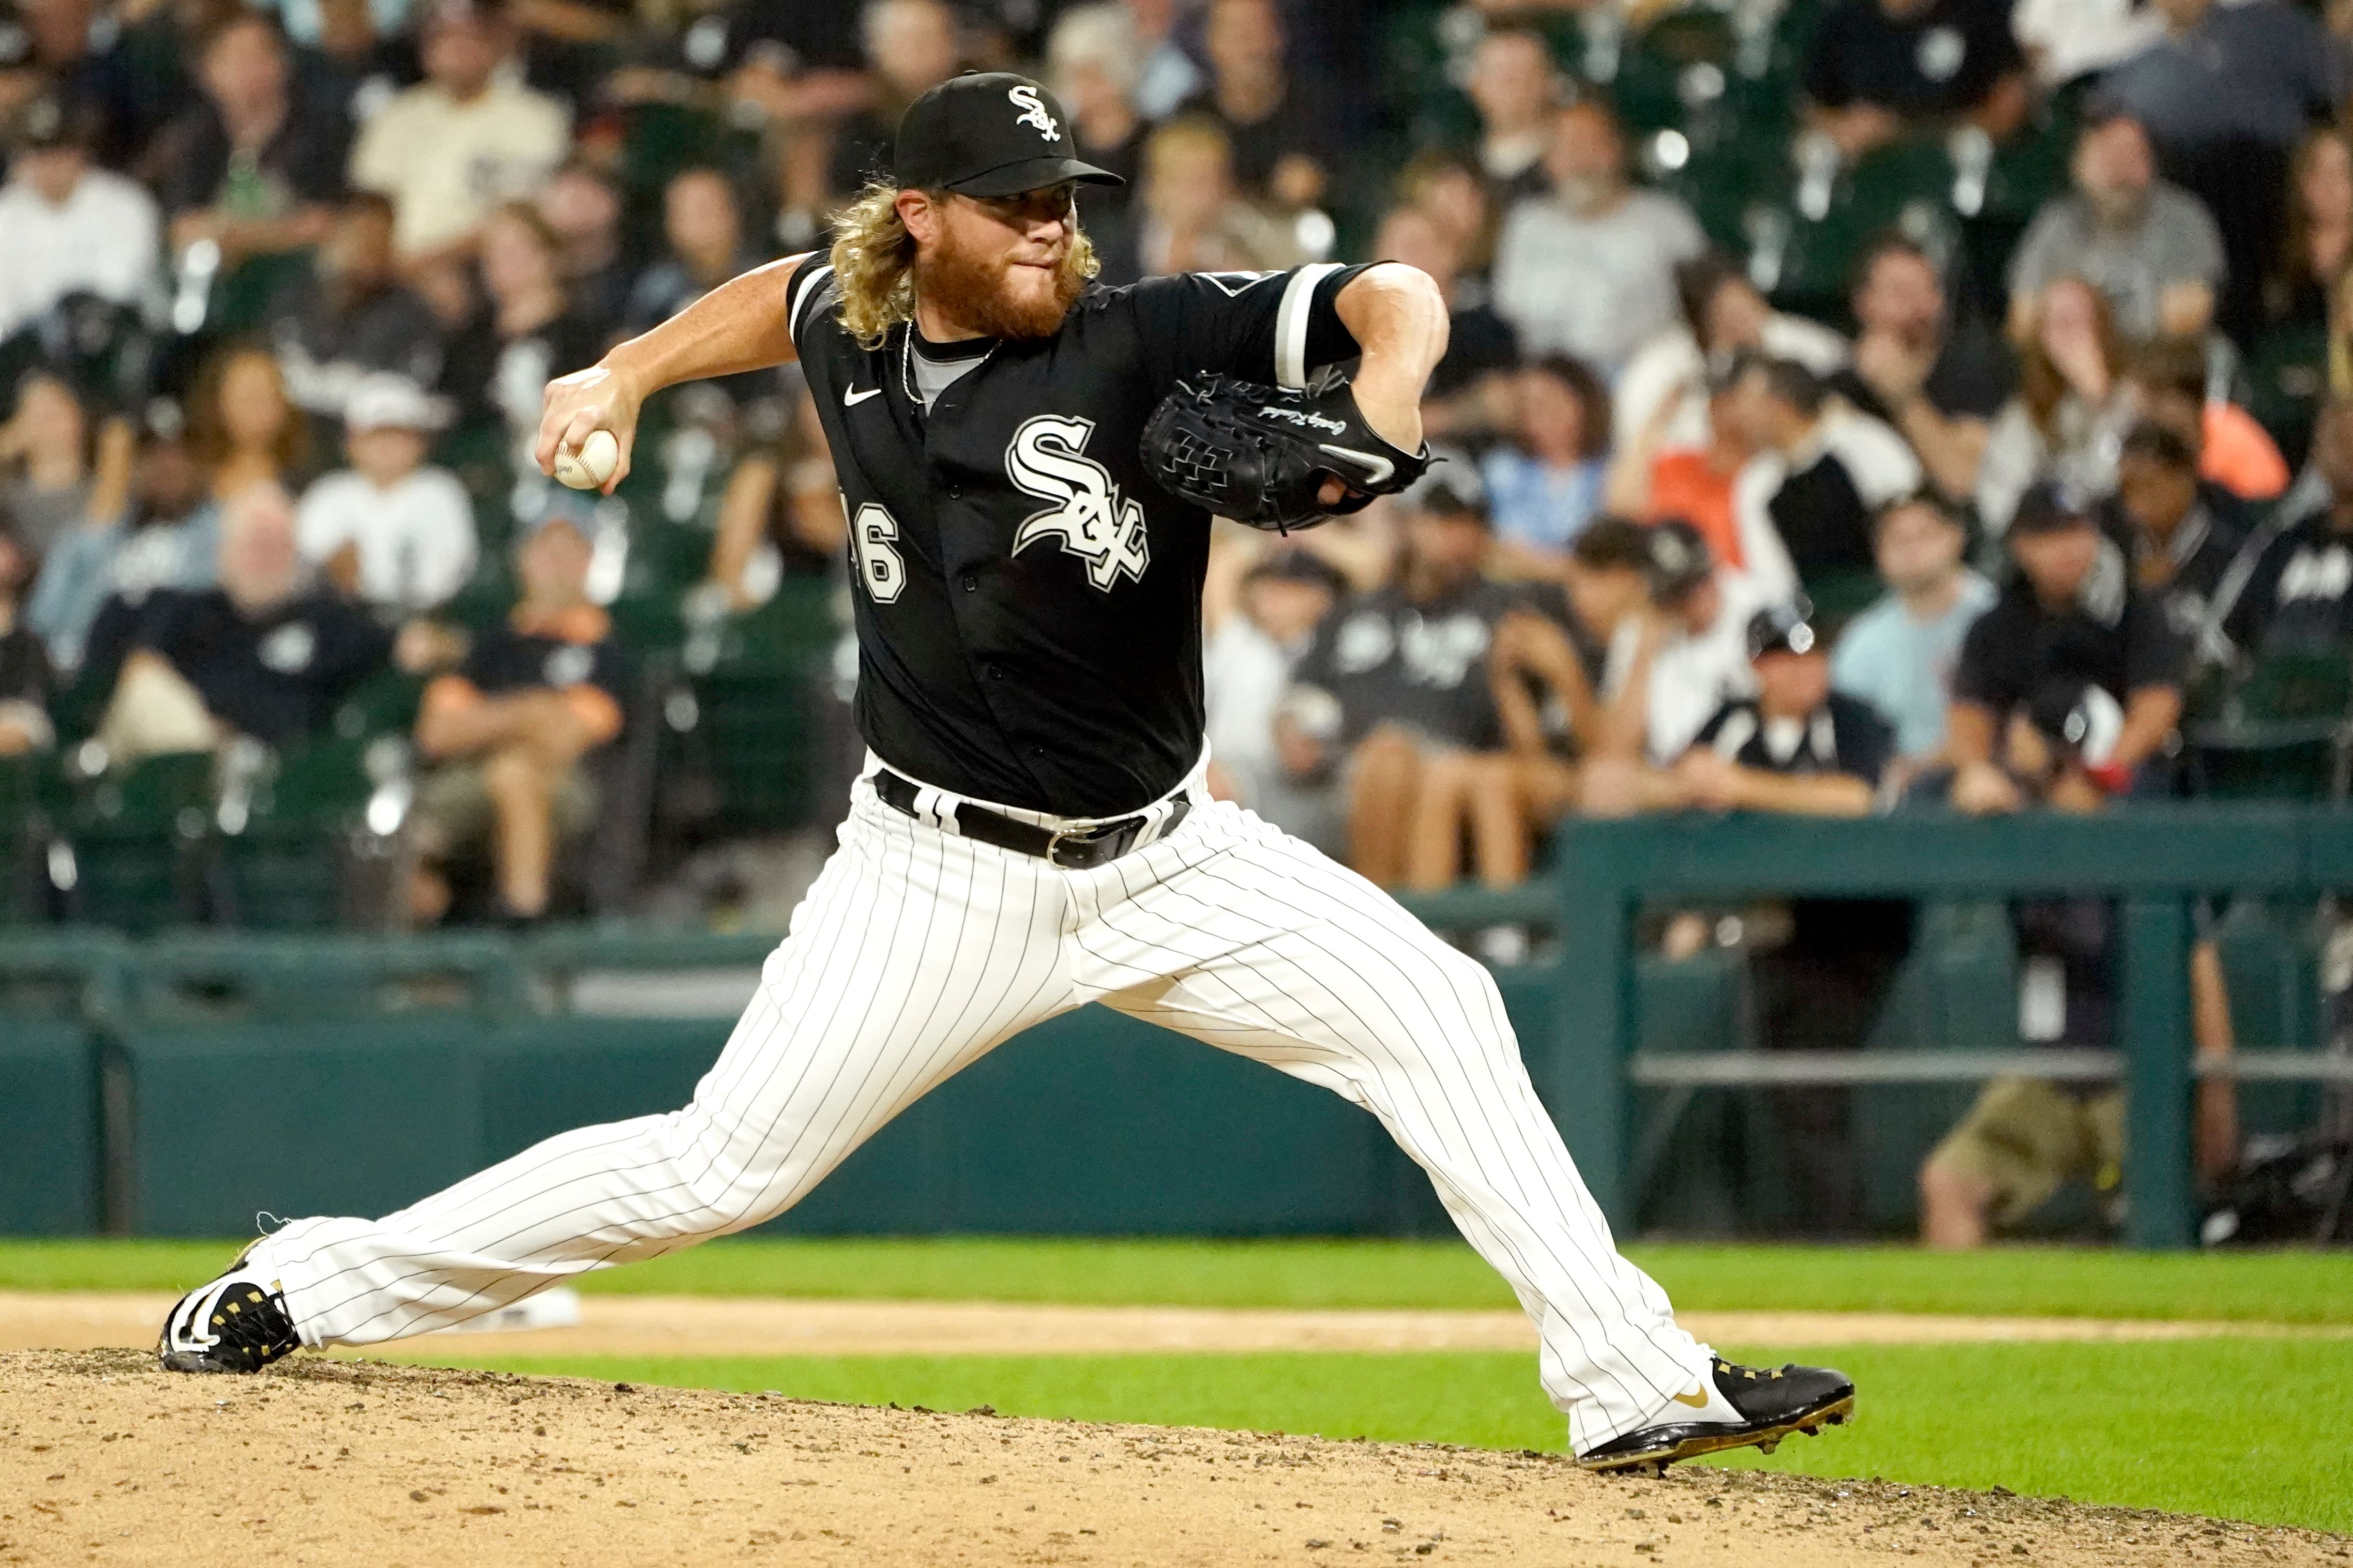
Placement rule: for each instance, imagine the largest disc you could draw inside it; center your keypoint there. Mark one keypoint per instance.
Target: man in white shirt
(65, 226)
(390, 529)
(466, 138)
(1589, 268)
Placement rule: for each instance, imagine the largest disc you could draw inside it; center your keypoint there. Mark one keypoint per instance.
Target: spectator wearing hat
(392, 530)
(1879, 66)
(1804, 504)
(350, 316)
(267, 652)
(151, 523)
(1799, 747)
(1669, 667)
(509, 729)
(254, 166)
(2147, 244)
(451, 149)
(1901, 654)
(1393, 692)
(66, 226)
(24, 674)
(1246, 667)
(1588, 268)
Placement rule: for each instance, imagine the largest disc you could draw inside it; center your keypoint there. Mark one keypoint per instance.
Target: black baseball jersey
(1027, 600)
(2295, 582)
(1387, 657)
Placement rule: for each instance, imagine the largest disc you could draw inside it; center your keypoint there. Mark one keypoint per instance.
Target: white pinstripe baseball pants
(916, 952)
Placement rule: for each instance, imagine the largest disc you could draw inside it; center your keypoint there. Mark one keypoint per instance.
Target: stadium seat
(2281, 734)
(2270, 965)
(294, 850)
(140, 836)
(24, 840)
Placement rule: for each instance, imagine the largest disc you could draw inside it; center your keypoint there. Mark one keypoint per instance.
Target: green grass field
(2247, 1428)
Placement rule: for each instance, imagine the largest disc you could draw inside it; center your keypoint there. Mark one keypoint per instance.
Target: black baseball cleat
(236, 1323)
(1748, 1408)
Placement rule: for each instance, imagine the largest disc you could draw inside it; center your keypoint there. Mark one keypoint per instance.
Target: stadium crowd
(1851, 403)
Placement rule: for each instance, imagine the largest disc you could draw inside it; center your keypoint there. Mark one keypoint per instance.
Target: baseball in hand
(592, 465)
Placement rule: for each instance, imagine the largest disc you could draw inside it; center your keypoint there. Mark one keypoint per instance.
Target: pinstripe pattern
(916, 952)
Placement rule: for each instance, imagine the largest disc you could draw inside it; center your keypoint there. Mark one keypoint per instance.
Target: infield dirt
(104, 1459)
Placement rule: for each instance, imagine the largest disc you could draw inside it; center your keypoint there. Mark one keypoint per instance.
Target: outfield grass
(2276, 1287)
(2240, 1428)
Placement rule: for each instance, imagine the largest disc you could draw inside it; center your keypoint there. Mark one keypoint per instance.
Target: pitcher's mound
(105, 1458)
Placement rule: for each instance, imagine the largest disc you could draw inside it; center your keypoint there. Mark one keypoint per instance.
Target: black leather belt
(1080, 850)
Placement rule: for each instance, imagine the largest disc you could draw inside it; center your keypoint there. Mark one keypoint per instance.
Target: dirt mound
(103, 1458)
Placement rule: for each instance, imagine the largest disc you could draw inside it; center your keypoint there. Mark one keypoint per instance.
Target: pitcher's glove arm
(1262, 455)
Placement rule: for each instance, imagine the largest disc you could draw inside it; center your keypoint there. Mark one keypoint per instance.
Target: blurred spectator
(267, 653)
(66, 225)
(2226, 95)
(1823, 472)
(2071, 408)
(1452, 193)
(2297, 595)
(1798, 748)
(581, 205)
(254, 167)
(46, 456)
(911, 46)
(702, 231)
(2319, 233)
(1879, 65)
(151, 523)
(1588, 270)
(1282, 131)
(1900, 655)
(2068, 40)
(1245, 669)
(525, 332)
(2183, 533)
(351, 316)
(1698, 483)
(450, 150)
(1939, 384)
(246, 430)
(348, 65)
(1193, 218)
(1546, 484)
(1670, 668)
(25, 676)
(1092, 66)
(782, 503)
(1662, 395)
(389, 531)
(2150, 247)
(1168, 75)
(71, 51)
(2068, 692)
(2168, 379)
(509, 728)
(1514, 85)
(1396, 683)
(1471, 391)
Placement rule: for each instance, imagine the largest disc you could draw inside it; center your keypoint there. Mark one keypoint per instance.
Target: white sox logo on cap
(1033, 112)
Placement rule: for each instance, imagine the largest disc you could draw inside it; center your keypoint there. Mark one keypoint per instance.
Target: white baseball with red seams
(592, 465)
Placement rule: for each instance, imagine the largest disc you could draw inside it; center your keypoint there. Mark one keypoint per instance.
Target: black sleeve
(2249, 619)
(1984, 675)
(804, 287)
(1866, 742)
(1269, 327)
(1314, 665)
(2155, 654)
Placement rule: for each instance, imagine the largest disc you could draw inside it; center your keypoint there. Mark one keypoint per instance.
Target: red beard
(969, 287)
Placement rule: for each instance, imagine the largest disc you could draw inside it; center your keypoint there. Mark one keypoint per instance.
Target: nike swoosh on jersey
(1377, 469)
(853, 397)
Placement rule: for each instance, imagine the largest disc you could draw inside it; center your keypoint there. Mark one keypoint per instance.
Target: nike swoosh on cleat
(1696, 1399)
(853, 397)
(1377, 469)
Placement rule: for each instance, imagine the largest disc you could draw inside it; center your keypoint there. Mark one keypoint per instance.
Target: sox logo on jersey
(1033, 112)
(1088, 517)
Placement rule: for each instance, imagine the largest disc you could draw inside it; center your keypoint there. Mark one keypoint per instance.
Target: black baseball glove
(1262, 455)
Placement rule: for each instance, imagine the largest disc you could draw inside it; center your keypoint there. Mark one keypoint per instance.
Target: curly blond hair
(874, 263)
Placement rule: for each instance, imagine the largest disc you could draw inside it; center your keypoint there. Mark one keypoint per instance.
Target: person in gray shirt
(2148, 245)
(2226, 94)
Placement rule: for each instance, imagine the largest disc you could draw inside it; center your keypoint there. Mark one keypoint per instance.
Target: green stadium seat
(293, 858)
(139, 837)
(2270, 967)
(2281, 734)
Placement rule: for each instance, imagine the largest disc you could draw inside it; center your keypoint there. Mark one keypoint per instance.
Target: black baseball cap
(1783, 628)
(1678, 560)
(989, 133)
(2048, 507)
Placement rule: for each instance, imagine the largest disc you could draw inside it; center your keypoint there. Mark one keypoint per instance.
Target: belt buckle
(1086, 837)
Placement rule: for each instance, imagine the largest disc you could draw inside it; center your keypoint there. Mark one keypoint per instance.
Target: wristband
(2114, 778)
